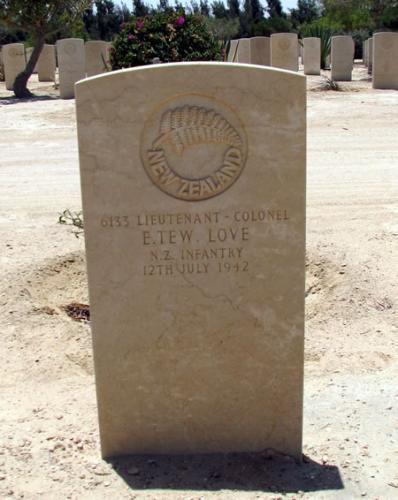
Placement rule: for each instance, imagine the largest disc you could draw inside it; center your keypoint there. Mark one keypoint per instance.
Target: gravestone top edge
(390, 33)
(69, 40)
(154, 67)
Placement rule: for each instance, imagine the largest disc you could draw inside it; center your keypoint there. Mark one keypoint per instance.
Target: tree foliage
(38, 20)
(274, 8)
(307, 11)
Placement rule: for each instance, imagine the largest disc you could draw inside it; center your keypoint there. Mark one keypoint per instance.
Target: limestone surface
(233, 51)
(370, 55)
(367, 52)
(243, 54)
(284, 51)
(71, 63)
(194, 207)
(260, 50)
(342, 58)
(385, 60)
(46, 64)
(97, 57)
(1, 67)
(312, 56)
(14, 62)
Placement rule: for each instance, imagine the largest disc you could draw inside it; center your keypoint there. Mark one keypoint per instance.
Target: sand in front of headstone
(14, 62)
(194, 209)
(284, 51)
(385, 60)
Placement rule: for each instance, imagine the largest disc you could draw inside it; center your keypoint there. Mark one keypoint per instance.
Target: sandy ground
(49, 445)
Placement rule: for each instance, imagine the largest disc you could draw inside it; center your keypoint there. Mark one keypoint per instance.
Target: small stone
(133, 471)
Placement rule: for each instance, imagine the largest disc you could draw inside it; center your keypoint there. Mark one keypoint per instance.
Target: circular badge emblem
(193, 147)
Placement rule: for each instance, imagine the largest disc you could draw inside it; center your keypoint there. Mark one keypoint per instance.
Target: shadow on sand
(265, 472)
(33, 98)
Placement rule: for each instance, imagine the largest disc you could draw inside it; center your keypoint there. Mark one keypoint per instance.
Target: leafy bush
(168, 36)
(70, 218)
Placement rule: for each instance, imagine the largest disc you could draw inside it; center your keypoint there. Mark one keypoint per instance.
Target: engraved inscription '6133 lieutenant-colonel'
(193, 147)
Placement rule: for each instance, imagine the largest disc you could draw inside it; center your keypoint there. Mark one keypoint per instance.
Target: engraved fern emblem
(191, 125)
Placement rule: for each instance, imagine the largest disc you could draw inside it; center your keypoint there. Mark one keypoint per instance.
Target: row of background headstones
(282, 50)
(75, 59)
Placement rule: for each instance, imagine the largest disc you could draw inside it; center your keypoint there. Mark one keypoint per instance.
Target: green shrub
(169, 36)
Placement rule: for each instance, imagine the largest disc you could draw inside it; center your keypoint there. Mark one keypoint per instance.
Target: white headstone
(1, 66)
(71, 63)
(260, 50)
(370, 55)
(97, 57)
(342, 58)
(14, 62)
(385, 60)
(284, 51)
(46, 64)
(312, 56)
(233, 51)
(243, 51)
(193, 184)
